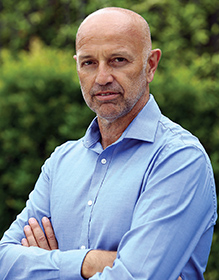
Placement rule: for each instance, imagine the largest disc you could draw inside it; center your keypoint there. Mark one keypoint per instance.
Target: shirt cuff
(70, 264)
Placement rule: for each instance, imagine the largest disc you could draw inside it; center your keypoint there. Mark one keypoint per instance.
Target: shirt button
(83, 247)
(103, 161)
(90, 202)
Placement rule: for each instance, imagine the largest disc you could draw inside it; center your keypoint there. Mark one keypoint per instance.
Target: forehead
(107, 46)
(108, 30)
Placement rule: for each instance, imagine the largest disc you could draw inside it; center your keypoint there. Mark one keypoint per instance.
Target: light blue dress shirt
(150, 196)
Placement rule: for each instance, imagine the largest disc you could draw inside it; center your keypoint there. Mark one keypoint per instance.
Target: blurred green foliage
(41, 107)
(40, 101)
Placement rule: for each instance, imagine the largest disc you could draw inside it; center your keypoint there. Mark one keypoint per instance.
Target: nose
(104, 75)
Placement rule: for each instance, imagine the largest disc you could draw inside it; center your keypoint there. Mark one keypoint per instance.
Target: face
(111, 68)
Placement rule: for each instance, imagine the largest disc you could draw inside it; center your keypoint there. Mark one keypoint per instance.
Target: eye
(120, 59)
(87, 63)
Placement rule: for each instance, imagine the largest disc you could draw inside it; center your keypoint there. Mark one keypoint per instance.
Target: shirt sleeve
(173, 218)
(33, 262)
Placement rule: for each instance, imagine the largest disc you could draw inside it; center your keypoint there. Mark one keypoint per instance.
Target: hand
(95, 261)
(36, 237)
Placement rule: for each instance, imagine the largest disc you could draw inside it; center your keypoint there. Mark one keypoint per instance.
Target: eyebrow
(85, 56)
(117, 54)
(121, 53)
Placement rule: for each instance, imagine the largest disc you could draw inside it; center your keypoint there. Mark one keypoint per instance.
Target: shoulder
(67, 147)
(175, 137)
(180, 152)
(64, 151)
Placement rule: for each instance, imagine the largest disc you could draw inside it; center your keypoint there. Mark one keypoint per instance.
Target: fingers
(53, 244)
(30, 239)
(24, 242)
(35, 236)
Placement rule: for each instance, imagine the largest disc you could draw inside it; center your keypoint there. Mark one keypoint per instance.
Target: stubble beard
(121, 106)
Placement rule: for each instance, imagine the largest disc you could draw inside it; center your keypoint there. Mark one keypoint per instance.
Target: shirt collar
(143, 127)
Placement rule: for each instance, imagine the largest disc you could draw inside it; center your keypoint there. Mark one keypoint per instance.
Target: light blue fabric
(150, 195)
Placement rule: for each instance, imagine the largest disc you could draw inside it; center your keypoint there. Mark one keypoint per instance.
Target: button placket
(96, 183)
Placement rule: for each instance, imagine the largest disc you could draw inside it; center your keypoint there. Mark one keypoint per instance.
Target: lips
(106, 96)
(105, 93)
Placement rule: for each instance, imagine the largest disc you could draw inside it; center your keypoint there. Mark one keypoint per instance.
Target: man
(135, 197)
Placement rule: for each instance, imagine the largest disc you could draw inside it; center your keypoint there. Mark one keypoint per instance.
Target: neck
(111, 131)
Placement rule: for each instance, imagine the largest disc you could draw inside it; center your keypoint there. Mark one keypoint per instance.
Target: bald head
(111, 20)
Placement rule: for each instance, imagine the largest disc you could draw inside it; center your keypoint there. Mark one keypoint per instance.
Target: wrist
(87, 269)
(95, 261)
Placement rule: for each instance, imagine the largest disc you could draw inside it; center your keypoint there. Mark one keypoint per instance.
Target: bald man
(135, 197)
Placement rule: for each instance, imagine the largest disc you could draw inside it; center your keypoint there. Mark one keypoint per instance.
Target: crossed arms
(141, 248)
(95, 260)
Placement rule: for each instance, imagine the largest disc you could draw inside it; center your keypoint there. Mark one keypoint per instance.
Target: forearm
(39, 263)
(95, 261)
(36, 263)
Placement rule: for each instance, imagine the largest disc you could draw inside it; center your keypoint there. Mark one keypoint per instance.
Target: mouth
(105, 93)
(106, 96)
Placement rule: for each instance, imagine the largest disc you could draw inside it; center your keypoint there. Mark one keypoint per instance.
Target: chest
(93, 197)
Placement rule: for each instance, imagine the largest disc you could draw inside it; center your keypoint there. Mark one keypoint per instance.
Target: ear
(152, 64)
(75, 57)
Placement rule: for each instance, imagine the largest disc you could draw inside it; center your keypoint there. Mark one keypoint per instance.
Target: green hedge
(41, 107)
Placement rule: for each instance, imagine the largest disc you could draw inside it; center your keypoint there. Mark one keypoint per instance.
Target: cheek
(85, 83)
(135, 85)
(130, 81)
(140, 77)
(134, 75)
(124, 79)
